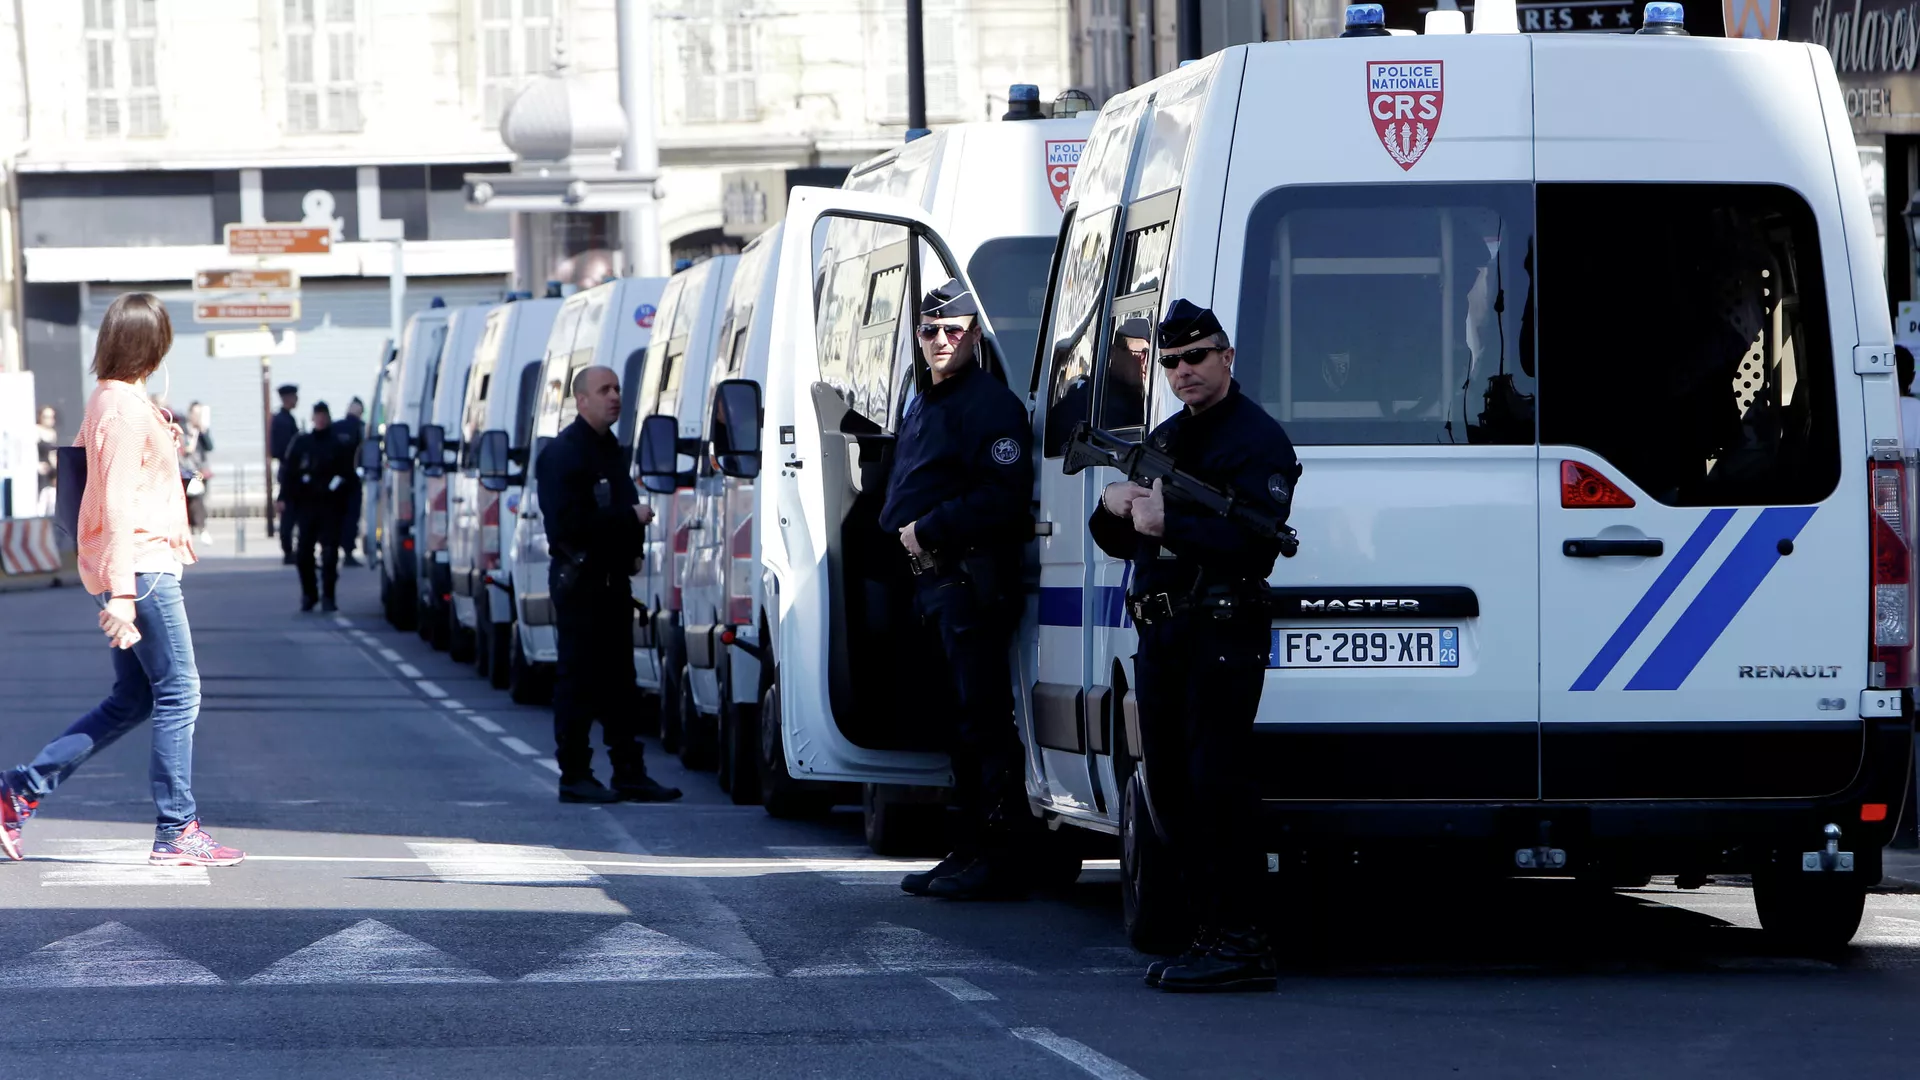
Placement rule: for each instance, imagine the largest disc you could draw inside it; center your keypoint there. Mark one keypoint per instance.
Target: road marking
(518, 746)
(454, 705)
(961, 989)
(390, 656)
(503, 864)
(408, 670)
(550, 765)
(634, 953)
(342, 620)
(114, 863)
(485, 724)
(430, 689)
(369, 951)
(897, 950)
(111, 954)
(1090, 1060)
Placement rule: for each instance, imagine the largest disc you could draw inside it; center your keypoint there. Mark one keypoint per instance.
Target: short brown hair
(134, 337)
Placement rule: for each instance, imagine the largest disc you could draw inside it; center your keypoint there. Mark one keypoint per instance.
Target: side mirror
(490, 455)
(660, 454)
(433, 446)
(399, 447)
(736, 428)
(369, 463)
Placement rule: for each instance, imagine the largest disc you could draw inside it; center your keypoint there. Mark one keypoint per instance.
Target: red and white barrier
(29, 546)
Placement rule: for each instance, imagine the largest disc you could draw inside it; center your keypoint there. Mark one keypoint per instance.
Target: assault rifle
(1143, 464)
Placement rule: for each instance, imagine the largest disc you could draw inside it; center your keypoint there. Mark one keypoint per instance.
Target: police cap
(1137, 328)
(289, 388)
(949, 301)
(1186, 323)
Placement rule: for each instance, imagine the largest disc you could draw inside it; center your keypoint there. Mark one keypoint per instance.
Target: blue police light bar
(1664, 17)
(1023, 92)
(1368, 15)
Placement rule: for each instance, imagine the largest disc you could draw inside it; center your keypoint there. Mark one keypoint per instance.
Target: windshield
(1011, 274)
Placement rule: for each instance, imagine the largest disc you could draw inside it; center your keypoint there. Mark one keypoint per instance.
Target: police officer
(352, 429)
(313, 500)
(960, 499)
(595, 529)
(285, 426)
(1198, 586)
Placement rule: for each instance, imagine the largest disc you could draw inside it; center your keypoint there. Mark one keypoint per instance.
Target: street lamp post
(916, 72)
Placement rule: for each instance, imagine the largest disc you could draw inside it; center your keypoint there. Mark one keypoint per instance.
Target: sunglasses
(1195, 357)
(931, 331)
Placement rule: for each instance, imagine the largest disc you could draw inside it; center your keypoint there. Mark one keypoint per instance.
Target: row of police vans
(1604, 567)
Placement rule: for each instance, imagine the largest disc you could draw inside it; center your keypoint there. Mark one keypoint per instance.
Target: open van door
(849, 655)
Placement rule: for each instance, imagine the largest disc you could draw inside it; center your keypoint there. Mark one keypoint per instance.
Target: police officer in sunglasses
(960, 500)
(1198, 603)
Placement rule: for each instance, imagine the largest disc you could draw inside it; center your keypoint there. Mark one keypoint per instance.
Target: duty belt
(1222, 602)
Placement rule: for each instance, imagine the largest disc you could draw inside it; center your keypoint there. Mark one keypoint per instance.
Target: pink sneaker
(194, 848)
(15, 809)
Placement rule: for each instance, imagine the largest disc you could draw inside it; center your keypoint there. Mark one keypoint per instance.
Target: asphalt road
(418, 905)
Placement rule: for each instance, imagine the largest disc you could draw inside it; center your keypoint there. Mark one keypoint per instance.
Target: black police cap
(289, 388)
(321, 408)
(1137, 328)
(1186, 323)
(949, 301)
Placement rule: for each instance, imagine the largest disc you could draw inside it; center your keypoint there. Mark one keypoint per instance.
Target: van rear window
(1011, 274)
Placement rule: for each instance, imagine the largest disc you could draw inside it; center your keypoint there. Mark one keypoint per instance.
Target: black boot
(307, 602)
(1202, 941)
(327, 605)
(586, 789)
(919, 884)
(643, 788)
(994, 876)
(1236, 960)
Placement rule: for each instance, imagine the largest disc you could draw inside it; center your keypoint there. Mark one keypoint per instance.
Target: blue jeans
(156, 679)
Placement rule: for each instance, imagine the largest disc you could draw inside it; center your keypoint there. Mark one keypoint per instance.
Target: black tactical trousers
(350, 519)
(974, 680)
(316, 526)
(1199, 684)
(594, 678)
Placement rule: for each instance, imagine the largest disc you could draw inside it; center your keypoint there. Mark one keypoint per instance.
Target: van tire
(783, 796)
(740, 747)
(436, 629)
(902, 828)
(483, 629)
(459, 639)
(697, 749)
(1156, 920)
(527, 683)
(1807, 911)
(669, 704)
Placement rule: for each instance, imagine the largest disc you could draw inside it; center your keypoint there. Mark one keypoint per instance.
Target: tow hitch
(1829, 860)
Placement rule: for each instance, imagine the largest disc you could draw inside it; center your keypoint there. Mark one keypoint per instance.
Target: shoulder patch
(1006, 451)
(1280, 488)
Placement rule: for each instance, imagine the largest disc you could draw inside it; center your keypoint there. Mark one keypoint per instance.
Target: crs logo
(1063, 157)
(1404, 99)
(643, 316)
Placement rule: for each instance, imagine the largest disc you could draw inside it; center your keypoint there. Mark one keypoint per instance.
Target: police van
(496, 433)
(405, 386)
(673, 382)
(1602, 567)
(608, 325)
(995, 190)
(439, 431)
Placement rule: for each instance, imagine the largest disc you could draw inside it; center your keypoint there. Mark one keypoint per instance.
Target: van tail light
(1584, 488)
(489, 530)
(1890, 660)
(739, 571)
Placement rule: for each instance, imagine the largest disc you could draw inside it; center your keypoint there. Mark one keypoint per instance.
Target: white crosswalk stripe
(634, 953)
(111, 864)
(111, 954)
(369, 951)
(885, 948)
(503, 864)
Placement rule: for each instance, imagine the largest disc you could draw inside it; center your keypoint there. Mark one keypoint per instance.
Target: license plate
(1366, 647)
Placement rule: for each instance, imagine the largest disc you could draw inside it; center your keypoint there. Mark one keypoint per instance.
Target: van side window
(864, 270)
(1077, 329)
(528, 400)
(1392, 314)
(1011, 274)
(1143, 265)
(1684, 337)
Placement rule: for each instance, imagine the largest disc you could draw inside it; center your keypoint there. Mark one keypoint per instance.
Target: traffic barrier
(28, 546)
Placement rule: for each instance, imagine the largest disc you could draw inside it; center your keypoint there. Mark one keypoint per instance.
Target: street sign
(287, 239)
(247, 311)
(230, 344)
(230, 280)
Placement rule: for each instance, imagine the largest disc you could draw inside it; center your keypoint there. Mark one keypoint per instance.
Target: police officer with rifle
(1202, 538)
(960, 497)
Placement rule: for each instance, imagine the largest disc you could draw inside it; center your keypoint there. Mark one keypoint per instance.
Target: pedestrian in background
(133, 547)
(353, 431)
(47, 442)
(285, 427)
(195, 471)
(595, 527)
(313, 496)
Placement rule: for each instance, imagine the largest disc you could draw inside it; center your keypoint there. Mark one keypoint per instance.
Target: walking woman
(133, 542)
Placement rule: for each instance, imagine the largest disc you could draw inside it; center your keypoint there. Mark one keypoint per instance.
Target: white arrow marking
(369, 951)
(111, 954)
(896, 950)
(634, 953)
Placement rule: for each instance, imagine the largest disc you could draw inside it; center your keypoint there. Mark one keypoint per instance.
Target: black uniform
(963, 477)
(286, 427)
(1198, 677)
(313, 485)
(587, 499)
(353, 431)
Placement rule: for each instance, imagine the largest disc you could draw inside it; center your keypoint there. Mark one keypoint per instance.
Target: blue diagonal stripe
(1724, 594)
(1656, 597)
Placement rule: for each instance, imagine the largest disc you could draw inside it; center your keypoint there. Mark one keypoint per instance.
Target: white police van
(496, 438)
(608, 325)
(406, 386)
(446, 394)
(1602, 569)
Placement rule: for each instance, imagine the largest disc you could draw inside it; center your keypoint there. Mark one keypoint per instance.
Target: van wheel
(780, 793)
(500, 664)
(526, 683)
(902, 828)
(1058, 858)
(1156, 920)
(459, 639)
(740, 747)
(482, 635)
(438, 629)
(669, 704)
(1809, 912)
(697, 749)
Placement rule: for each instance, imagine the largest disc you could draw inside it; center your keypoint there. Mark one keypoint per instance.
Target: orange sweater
(134, 512)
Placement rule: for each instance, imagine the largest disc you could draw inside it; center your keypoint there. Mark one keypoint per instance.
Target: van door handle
(1591, 548)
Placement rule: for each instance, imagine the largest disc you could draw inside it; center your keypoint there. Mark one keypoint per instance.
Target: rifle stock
(1142, 464)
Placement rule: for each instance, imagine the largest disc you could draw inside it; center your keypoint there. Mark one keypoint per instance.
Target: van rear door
(1703, 543)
